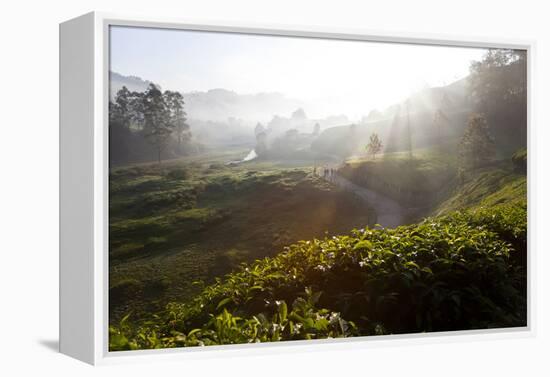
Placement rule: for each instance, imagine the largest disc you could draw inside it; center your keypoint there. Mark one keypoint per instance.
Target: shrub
(519, 160)
(178, 173)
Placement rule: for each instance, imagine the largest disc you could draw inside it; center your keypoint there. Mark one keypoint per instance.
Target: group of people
(327, 173)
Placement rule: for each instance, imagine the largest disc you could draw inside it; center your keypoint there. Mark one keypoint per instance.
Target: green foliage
(477, 146)
(519, 160)
(158, 126)
(152, 116)
(415, 182)
(500, 77)
(184, 221)
(174, 102)
(461, 271)
(178, 173)
(304, 321)
(487, 187)
(498, 87)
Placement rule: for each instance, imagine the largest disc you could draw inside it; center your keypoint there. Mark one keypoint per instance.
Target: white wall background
(29, 184)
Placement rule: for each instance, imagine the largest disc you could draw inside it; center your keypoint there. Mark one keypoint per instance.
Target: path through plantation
(389, 213)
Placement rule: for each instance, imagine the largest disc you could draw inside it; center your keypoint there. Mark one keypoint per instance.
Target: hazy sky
(333, 76)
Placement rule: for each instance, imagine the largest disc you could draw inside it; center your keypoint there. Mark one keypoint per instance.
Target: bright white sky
(333, 76)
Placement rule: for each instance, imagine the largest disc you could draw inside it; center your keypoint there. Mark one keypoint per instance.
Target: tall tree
(118, 149)
(136, 107)
(128, 108)
(174, 101)
(374, 146)
(498, 85)
(477, 146)
(499, 78)
(316, 129)
(122, 107)
(157, 119)
(120, 119)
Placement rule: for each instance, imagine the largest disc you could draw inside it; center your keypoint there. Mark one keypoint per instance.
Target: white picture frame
(84, 75)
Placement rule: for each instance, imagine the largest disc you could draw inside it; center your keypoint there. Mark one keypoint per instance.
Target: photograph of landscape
(269, 188)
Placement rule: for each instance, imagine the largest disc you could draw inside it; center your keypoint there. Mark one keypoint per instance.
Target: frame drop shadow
(51, 344)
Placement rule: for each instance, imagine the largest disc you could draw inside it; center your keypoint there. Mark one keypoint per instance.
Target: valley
(176, 227)
(238, 217)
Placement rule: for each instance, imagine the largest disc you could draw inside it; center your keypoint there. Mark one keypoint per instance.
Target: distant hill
(219, 104)
(223, 115)
(133, 83)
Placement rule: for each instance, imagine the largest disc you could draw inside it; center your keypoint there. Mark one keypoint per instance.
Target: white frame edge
(84, 66)
(76, 212)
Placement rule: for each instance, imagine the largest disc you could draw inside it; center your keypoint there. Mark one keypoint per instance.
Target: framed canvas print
(230, 188)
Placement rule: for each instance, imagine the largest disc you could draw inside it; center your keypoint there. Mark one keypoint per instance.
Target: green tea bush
(456, 272)
(124, 288)
(519, 160)
(178, 173)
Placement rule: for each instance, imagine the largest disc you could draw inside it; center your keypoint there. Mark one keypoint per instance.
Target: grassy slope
(463, 270)
(487, 187)
(431, 176)
(415, 183)
(189, 221)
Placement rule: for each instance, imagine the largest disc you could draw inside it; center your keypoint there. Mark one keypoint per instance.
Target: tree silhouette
(316, 129)
(477, 147)
(174, 101)
(374, 146)
(158, 126)
(138, 120)
(121, 111)
(498, 85)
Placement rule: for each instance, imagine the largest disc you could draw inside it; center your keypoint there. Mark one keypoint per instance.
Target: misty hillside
(219, 104)
(434, 115)
(133, 83)
(417, 112)
(224, 117)
(220, 109)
